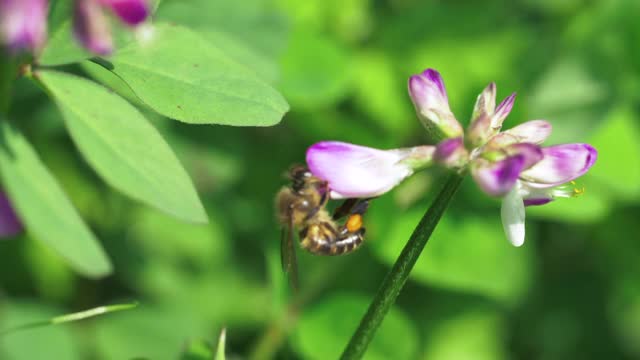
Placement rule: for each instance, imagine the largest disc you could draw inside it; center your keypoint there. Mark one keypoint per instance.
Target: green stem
(7, 75)
(397, 276)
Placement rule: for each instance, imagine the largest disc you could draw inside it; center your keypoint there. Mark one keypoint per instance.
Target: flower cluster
(23, 23)
(511, 164)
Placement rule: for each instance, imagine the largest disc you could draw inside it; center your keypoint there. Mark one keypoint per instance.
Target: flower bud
(487, 119)
(430, 99)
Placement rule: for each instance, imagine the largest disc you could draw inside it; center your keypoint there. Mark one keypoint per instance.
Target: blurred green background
(572, 291)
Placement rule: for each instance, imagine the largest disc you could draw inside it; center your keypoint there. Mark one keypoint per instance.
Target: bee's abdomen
(324, 239)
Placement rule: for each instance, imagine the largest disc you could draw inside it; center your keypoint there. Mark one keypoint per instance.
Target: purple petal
(532, 153)
(429, 97)
(451, 152)
(10, 225)
(23, 24)
(537, 201)
(132, 12)
(561, 164)
(355, 171)
(426, 93)
(502, 110)
(498, 178)
(91, 27)
(434, 77)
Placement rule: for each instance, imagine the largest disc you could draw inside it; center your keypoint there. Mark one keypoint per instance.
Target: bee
(302, 206)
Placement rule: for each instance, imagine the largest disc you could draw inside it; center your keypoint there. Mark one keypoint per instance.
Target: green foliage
(316, 72)
(471, 334)
(45, 208)
(492, 266)
(61, 47)
(570, 292)
(55, 342)
(209, 88)
(122, 146)
(325, 328)
(197, 350)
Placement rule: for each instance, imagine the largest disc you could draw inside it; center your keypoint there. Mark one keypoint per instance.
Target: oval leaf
(184, 77)
(123, 147)
(45, 209)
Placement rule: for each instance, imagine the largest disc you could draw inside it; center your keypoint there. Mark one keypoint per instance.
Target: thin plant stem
(397, 276)
(81, 315)
(7, 75)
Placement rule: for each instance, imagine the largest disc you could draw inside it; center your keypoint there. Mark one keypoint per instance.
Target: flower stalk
(399, 273)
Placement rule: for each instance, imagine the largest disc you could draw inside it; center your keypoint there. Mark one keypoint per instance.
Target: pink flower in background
(10, 225)
(23, 24)
(91, 26)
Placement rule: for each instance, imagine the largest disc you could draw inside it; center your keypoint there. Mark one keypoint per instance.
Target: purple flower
(451, 153)
(354, 171)
(487, 119)
(131, 12)
(430, 99)
(10, 225)
(530, 175)
(510, 164)
(91, 26)
(23, 24)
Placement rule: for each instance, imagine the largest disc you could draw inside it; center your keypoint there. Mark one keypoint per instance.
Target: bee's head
(299, 175)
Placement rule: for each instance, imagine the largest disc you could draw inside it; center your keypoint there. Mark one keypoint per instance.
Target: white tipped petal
(354, 171)
(512, 213)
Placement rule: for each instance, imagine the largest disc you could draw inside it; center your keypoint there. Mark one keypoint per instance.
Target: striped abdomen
(324, 239)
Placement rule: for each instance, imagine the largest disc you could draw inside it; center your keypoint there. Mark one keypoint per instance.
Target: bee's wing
(288, 253)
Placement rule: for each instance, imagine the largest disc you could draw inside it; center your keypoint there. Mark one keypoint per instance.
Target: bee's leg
(344, 209)
(325, 191)
(360, 207)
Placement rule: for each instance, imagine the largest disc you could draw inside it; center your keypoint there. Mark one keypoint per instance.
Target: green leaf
(324, 329)
(45, 209)
(62, 48)
(221, 344)
(182, 76)
(123, 147)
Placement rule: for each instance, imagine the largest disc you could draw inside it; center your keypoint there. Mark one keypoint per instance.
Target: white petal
(512, 213)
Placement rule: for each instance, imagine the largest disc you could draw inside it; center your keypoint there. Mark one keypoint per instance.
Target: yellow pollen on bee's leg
(354, 223)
